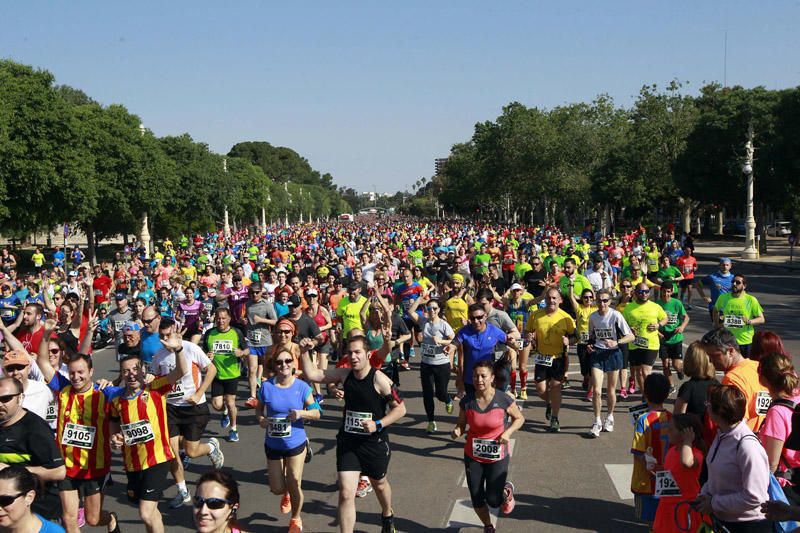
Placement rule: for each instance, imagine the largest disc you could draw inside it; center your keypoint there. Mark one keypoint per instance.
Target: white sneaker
(608, 424)
(595, 431)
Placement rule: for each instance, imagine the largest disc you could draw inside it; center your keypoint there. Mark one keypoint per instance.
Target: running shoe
(431, 427)
(672, 390)
(180, 499)
(184, 459)
(523, 394)
(309, 452)
(296, 525)
(608, 424)
(225, 421)
(251, 402)
(596, 428)
(215, 455)
(286, 503)
(623, 393)
(411, 353)
(547, 412)
(364, 487)
(508, 498)
(387, 524)
(632, 389)
(449, 407)
(319, 398)
(233, 435)
(116, 523)
(81, 517)
(404, 364)
(589, 395)
(689, 307)
(555, 426)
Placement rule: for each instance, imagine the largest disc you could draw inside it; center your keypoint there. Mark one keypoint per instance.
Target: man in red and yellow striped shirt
(139, 427)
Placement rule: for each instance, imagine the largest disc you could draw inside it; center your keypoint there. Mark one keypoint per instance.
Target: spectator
(765, 342)
(17, 494)
(216, 502)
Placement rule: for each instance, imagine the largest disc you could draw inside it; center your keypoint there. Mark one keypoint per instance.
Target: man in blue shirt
(9, 305)
(718, 283)
(58, 258)
(475, 342)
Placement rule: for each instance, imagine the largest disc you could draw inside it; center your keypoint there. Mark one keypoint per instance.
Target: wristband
(378, 425)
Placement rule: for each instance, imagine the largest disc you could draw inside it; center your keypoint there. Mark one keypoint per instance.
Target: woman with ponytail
(776, 372)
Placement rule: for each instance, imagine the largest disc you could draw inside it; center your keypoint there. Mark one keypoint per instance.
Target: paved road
(565, 482)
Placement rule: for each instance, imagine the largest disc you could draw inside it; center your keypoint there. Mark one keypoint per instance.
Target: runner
(437, 362)
(608, 331)
(550, 332)
(362, 444)
(225, 345)
(284, 402)
(644, 317)
(260, 319)
(475, 342)
(83, 435)
(687, 264)
(671, 334)
(582, 310)
(486, 452)
(139, 427)
(718, 283)
(187, 410)
(738, 312)
(518, 308)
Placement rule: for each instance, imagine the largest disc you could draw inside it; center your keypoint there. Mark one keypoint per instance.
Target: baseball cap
(294, 301)
(72, 274)
(725, 260)
(516, 287)
(353, 286)
(131, 326)
(16, 357)
(120, 296)
(312, 292)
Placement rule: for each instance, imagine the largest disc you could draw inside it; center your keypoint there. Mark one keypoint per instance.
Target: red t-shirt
(30, 340)
(486, 425)
(687, 266)
(102, 284)
(374, 361)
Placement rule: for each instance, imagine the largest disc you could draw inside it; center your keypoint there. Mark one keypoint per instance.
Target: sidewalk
(777, 252)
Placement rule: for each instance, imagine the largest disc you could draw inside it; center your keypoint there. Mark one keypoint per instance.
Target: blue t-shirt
(49, 527)
(278, 402)
(8, 314)
(151, 343)
(58, 259)
(718, 283)
(478, 346)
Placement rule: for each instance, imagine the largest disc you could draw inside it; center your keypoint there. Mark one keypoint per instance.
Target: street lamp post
(144, 233)
(749, 251)
(226, 229)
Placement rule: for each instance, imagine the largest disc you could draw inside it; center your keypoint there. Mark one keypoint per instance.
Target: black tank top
(361, 401)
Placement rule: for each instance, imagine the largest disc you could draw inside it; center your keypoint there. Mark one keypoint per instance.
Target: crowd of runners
(336, 312)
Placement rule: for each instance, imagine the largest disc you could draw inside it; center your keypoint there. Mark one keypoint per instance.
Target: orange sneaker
(251, 403)
(286, 503)
(295, 525)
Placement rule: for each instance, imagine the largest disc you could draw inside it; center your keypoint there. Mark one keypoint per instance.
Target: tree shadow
(574, 513)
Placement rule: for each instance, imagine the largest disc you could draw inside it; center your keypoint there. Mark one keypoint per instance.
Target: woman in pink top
(777, 374)
(216, 502)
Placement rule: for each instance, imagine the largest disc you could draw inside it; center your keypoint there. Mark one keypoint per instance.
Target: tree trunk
(90, 242)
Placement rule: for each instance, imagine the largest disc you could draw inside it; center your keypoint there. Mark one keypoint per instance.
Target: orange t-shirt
(744, 377)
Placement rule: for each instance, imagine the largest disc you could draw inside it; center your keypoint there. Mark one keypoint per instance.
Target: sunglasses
(8, 397)
(281, 362)
(433, 309)
(627, 286)
(212, 503)
(285, 331)
(6, 500)
(604, 300)
(478, 317)
(588, 297)
(55, 350)
(15, 368)
(148, 320)
(646, 291)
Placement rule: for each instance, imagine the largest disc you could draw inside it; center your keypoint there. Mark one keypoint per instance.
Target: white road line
(621, 478)
(463, 516)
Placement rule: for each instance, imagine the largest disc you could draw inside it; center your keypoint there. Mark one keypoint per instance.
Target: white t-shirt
(37, 397)
(607, 329)
(164, 363)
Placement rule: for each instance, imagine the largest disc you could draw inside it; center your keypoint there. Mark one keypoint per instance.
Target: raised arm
(43, 354)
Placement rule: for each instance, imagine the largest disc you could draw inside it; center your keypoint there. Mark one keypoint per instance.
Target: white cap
(516, 287)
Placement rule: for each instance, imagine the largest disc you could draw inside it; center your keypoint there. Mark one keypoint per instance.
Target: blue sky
(372, 92)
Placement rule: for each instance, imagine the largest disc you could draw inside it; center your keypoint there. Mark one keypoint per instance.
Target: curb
(785, 266)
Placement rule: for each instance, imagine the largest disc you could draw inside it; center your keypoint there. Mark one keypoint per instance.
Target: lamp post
(226, 228)
(749, 251)
(144, 233)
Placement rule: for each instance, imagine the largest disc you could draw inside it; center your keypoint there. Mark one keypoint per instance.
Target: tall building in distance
(439, 165)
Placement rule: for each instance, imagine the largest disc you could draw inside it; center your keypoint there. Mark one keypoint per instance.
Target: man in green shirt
(225, 346)
(571, 278)
(349, 310)
(738, 312)
(671, 334)
(667, 274)
(522, 268)
(645, 318)
(481, 262)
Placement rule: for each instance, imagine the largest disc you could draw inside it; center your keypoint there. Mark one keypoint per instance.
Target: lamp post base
(749, 253)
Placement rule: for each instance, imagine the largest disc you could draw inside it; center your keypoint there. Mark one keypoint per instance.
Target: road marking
(621, 478)
(510, 453)
(463, 516)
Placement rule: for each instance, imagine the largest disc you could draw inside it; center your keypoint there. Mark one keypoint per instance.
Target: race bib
(520, 344)
(119, 324)
(665, 484)
(636, 411)
(543, 360)
(7, 313)
(733, 321)
(491, 450)
(78, 435)
(137, 432)
(208, 306)
(763, 401)
(51, 415)
(672, 319)
(604, 334)
(279, 427)
(641, 342)
(255, 336)
(352, 422)
(584, 337)
(431, 350)
(687, 270)
(177, 392)
(222, 346)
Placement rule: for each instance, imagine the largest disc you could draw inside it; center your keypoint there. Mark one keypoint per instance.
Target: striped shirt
(143, 420)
